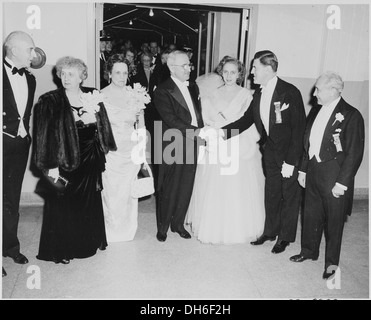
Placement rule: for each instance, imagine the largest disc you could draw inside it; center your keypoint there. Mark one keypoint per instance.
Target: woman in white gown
(228, 207)
(120, 209)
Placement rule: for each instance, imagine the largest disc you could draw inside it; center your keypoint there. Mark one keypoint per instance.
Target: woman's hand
(54, 173)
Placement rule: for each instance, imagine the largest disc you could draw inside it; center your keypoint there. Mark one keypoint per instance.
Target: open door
(211, 31)
(223, 33)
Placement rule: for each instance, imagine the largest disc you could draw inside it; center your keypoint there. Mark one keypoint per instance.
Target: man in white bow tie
(278, 113)
(18, 95)
(179, 106)
(333, 149)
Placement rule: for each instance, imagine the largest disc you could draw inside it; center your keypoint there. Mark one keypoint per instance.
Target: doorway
(211, 31)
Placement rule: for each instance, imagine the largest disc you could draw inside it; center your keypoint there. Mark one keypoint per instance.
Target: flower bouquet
(138, 98)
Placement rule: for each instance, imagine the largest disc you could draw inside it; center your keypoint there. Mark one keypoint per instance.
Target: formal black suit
(322, 210)
(15, 156)
(283, 144)
(102, 64)
(176, 178)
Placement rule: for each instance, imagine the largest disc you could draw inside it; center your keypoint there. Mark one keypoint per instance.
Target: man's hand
(287, 170)
(302, 178)
(337, 191)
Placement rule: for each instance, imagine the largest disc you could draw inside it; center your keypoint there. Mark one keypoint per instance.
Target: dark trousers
(282, 201)
(323, 212)
(174, 194)
(15, 156)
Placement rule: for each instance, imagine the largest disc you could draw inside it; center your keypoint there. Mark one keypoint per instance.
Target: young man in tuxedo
(334, 143)
(179, 107)
(18, 95)
(277, 110)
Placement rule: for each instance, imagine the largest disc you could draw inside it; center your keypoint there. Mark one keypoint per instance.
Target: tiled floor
(186, 269)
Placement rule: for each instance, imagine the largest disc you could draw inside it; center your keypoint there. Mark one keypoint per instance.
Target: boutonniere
(338, 117)
(277, 110)
(337, 141)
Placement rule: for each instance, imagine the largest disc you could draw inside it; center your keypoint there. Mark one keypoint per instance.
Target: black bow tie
(15, 70)
(20, 71)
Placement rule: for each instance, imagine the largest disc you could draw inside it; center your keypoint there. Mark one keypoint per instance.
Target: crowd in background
(152, 50)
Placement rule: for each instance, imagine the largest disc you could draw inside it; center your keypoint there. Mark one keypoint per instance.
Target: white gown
(229, 208)
(120, 209)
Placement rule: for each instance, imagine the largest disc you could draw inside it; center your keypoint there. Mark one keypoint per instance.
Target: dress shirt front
(183, 87)
(318, 129)
(20, 91)
(265, 102)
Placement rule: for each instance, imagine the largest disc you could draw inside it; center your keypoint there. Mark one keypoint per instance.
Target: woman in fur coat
(72, 136)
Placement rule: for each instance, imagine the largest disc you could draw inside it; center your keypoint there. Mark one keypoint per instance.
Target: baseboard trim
(360, 193)
(32, 199)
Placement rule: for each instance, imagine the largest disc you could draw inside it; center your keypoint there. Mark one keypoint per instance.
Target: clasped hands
(211, 135)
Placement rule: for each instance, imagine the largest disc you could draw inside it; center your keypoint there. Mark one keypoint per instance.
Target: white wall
(306, 47)
(66, 29)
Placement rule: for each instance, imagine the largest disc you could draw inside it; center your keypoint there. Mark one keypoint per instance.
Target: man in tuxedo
(333, 150)
(103, 57)
(278, 112)
(180, 110)
(156, 57)
(18, 95)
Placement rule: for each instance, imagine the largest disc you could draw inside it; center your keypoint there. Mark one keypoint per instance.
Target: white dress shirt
(20, 90)
(265, 102)
(318, 129)
(183, 87)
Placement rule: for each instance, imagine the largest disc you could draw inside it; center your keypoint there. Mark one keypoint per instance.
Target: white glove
(287, 170)
(54, 173)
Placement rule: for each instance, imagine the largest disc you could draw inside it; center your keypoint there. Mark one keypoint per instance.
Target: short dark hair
(240, 67)
(267, 58)
(116, 58)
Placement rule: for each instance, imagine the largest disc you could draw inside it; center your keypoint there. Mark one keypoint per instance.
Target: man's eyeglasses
(184, 66)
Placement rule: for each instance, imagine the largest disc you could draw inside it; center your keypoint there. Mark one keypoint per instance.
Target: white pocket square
(285, 106)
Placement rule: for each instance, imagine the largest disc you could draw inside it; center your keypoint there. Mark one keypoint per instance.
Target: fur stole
(56, 141)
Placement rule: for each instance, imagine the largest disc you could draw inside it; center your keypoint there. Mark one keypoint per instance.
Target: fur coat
(56, 141)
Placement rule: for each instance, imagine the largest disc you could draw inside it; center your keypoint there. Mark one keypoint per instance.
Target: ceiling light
(131, 22)
(151, 14)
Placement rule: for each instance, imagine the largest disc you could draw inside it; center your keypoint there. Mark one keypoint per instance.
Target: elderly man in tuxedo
(179, 107)
(18, 95)
(334, 143)
(277, 110)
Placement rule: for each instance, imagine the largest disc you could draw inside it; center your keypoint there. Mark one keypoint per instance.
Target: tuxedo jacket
(142, 79)
(285, 139)
(11, 116)
(175, 113)
(351, 132)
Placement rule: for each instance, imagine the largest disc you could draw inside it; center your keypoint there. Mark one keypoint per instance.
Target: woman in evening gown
(73, 134)
(227, 204)
(120, 208)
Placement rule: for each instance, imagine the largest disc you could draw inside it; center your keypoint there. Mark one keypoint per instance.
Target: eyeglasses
(184, 66)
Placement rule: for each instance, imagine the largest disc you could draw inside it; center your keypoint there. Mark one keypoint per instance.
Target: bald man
(18, 95)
